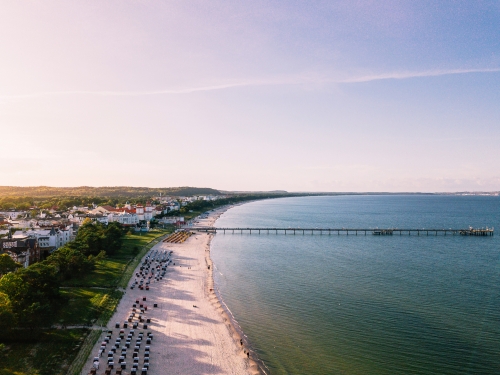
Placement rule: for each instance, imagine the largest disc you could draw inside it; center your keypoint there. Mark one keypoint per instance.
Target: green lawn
(50, 353)
(87, 306)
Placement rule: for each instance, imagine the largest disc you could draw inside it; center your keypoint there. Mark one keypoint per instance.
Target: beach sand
(192, 332)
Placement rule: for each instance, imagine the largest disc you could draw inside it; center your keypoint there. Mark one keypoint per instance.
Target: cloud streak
(293, 80)
(408, 75)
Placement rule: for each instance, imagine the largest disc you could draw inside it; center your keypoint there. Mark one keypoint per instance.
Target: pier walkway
(354, 231)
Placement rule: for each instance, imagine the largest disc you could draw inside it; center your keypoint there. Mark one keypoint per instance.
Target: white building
(139, 210)
(171, 220)
(103, 219)
(124, 218)
(54, 237)
(148, 212)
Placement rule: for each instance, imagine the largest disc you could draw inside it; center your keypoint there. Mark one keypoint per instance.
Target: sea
(364, 304)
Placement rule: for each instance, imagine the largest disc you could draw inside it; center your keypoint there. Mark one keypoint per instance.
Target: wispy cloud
(291, 80)
(187, 90)
(407, 75)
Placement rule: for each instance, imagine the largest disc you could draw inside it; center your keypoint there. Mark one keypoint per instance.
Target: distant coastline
(135, 191)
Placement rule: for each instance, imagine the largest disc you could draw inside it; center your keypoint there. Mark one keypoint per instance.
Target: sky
(337, 96)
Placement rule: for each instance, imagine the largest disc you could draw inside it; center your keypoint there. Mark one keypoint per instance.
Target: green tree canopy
(90, 239)
(7, 317)
(70, 262)
(93, 237)
(33, 293)
(114, 237)
(7, 264)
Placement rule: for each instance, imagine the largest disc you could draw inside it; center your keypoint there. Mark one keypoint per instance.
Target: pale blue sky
(260, 95)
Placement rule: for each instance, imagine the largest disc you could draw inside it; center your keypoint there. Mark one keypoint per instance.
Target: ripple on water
(364, 304)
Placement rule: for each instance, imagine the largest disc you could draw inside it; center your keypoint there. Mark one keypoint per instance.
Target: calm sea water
(320, 304)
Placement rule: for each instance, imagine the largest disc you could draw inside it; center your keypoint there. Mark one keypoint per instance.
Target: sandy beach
(192, 334)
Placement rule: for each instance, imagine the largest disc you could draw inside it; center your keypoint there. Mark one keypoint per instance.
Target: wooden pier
(349, 231)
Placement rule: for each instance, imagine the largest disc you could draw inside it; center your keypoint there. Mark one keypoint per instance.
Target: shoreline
(193, 331)
(255, 364)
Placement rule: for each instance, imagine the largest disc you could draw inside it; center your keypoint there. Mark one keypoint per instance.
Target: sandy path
(192, 333)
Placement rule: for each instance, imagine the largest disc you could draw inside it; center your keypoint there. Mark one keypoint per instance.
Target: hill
(104, 191)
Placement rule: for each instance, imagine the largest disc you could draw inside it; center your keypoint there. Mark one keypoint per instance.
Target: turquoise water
(320, 304)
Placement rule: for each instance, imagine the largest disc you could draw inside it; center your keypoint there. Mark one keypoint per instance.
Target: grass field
(86, 306)
(50, 353)
(90, 300)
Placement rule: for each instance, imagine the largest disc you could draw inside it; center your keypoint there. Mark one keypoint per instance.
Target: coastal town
(31, 235)
(71, 263)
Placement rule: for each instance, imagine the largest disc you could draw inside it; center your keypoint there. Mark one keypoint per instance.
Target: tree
(33, 293)
(7, 317)
(7, 264)
(90, 239)
(114, 237)
(70, 262)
